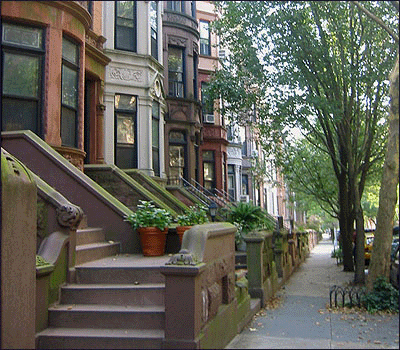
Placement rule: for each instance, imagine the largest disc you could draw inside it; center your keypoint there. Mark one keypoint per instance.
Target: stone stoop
(116, 303)
(91, 244)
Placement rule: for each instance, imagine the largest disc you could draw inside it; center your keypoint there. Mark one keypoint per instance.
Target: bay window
(23, 56)
(69, 92)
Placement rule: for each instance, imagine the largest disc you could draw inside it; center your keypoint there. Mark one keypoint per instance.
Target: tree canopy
(321, 67)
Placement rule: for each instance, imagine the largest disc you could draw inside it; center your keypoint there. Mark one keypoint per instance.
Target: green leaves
(383, 297)
(194, 215)
(148, 215)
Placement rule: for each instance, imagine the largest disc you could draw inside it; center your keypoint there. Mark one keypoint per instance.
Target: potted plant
(194, 215)
(152, 225)
(246, 217)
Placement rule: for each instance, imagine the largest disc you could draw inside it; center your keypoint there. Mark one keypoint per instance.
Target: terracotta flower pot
(152, 240)
(181, 230)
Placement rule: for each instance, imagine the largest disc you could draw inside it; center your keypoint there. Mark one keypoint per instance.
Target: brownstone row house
(117, 83)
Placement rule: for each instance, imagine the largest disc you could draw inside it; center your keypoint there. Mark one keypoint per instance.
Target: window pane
(125, 9)
(21, 75)
(208, 171)
(175, 59)
(204, 30)
(153, 15)
(125, 157)
(125, 129)
(208, 155)
(176, 156)
(70, 51)
(156, 162)
(125, 102)
(124, 22)
(176, 136)
(19, 35)
(155, 133)
(68, 127)
(125, 39)
(69, 87)
(19, 115)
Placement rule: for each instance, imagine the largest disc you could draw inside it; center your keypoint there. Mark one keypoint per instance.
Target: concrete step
(77, 338)
(122, 269)
(90, 235)
(113, 294)
(107, 316)
(95, 251)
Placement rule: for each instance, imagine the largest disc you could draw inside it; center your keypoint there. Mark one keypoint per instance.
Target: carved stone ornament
(234, 152)
(69, 215)
(184, 257)
(178, 41)
(126, 74)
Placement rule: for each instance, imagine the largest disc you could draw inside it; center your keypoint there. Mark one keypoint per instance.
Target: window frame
(156, 149)
(175, 91)
(177, 6)
(134, 29)
(21, 49)
(154, 31)
(132, 113)
(210, 161)
(202, 39)
(183, 145)
(74, 66)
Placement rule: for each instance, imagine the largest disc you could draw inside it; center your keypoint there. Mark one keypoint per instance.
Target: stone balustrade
(200, 289)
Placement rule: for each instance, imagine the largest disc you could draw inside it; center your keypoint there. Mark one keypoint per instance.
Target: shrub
(383, 297)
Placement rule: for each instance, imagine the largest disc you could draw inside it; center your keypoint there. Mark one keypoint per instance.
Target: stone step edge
(107, 308)
(102, 332)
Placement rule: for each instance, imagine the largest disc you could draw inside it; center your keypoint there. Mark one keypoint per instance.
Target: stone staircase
(117, 303)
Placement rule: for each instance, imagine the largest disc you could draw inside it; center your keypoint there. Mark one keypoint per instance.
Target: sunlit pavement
(302, 321)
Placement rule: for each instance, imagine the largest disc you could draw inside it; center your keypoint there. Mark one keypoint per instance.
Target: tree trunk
(346, 223)
(359, 276)
(380, 259)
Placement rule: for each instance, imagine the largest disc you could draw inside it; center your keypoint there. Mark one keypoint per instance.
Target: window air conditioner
(245, 198)
(209, 118)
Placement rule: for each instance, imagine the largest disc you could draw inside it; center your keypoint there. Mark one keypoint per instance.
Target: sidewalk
(302, 321)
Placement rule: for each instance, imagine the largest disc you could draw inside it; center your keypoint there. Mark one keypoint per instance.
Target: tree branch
(378, 20)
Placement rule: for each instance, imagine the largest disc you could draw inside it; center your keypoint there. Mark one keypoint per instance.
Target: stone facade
(81, 25)
(135, 73)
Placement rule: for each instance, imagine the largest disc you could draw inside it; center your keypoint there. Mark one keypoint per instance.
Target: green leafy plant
(338, 253)
(148, 215)
(194, 215)
(246, 217)
(383, 297)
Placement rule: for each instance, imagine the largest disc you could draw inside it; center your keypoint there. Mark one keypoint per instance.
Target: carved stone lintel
(184, 257)
(126, 74)
(69, 215)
